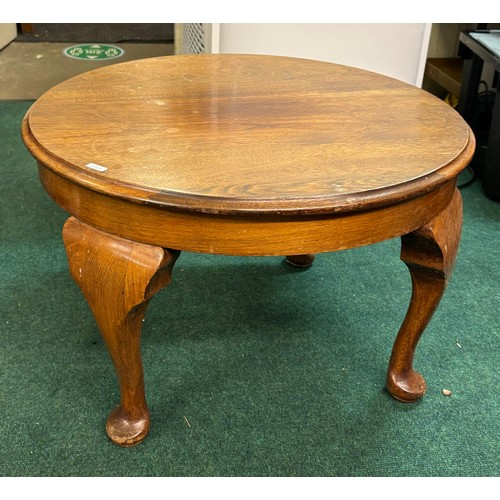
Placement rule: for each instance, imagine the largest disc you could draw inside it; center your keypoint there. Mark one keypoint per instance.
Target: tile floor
(28, 69)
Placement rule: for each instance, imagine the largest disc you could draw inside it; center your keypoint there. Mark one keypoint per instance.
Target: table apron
(245, 234)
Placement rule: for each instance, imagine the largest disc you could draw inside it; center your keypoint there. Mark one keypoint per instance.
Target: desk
(244, 155)
(478, 47)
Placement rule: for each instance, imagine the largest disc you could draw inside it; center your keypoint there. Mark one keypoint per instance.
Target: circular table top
(232, 134)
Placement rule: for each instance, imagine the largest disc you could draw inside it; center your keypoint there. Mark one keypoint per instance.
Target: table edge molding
(189, 203)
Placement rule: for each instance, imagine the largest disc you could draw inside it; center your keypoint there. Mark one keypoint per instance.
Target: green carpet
(251, 368)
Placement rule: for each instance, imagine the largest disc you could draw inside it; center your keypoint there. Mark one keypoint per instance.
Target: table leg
(118, 277)
(429, 253)
(305, 260)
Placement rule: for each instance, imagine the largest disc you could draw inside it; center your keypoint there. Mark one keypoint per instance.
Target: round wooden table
(244, 155)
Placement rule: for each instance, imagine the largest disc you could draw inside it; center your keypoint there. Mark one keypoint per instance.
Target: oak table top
(248, 133)
(244, 155)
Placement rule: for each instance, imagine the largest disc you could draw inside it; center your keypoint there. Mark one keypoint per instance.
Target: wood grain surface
(430, 254)
(118, 278)
(244, 155)
(236, 134)
(280, 234)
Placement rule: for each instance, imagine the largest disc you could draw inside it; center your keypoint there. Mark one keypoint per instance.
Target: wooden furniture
(244, 155)
(446, 72)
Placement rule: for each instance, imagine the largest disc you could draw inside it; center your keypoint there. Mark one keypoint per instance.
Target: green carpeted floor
(252, 368)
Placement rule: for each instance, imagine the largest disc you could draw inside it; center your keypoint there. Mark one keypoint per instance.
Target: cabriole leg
(429, 253)
(118, 277)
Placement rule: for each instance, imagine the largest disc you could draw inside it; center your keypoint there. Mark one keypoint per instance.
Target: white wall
(8, 32)
(397, 50)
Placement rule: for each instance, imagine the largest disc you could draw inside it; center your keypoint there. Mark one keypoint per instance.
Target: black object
(481, 110)
(480, 123)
